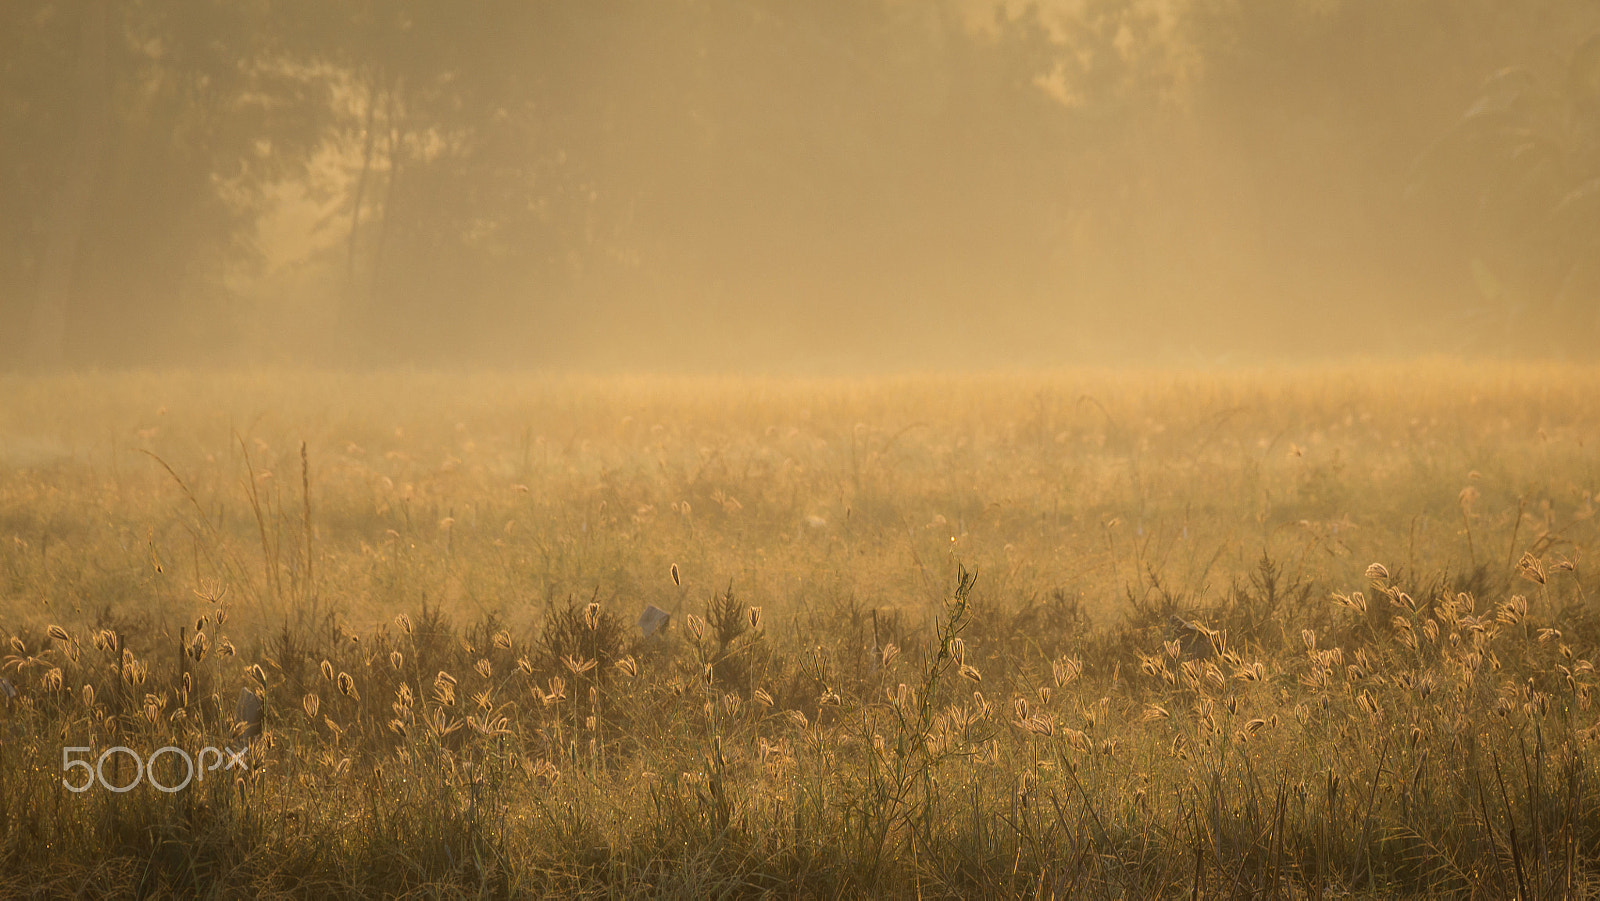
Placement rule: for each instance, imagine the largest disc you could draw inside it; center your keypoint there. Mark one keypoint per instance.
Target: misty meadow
(1090, 634)
(698, 448)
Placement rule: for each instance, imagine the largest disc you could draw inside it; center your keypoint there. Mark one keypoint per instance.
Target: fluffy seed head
(1066, 670)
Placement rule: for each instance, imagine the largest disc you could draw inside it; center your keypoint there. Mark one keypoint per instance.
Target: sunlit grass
(433, 582)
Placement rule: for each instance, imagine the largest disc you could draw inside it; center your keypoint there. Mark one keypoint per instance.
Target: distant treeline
(715, 183)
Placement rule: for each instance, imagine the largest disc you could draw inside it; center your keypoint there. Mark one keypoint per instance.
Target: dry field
(1300, 633)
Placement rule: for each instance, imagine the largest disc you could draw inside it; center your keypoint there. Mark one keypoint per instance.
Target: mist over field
(846, 448)
(705, 185)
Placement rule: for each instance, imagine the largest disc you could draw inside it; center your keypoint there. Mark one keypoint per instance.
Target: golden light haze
(829, 187)
(837, 448)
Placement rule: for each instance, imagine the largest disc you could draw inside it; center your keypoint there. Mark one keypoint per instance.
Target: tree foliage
(1519, 175)
(509, 180)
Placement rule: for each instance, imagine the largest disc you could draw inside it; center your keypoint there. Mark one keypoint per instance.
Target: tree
(140, 138)
(1518, 176)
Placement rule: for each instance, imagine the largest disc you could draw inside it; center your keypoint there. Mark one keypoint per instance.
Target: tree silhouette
(1519, 176)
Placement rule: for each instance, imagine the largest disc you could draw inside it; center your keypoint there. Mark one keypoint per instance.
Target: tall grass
(1074, 635)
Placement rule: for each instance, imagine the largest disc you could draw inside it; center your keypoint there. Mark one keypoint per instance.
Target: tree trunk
(69, 213)
(386, 211)
(369, 138)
